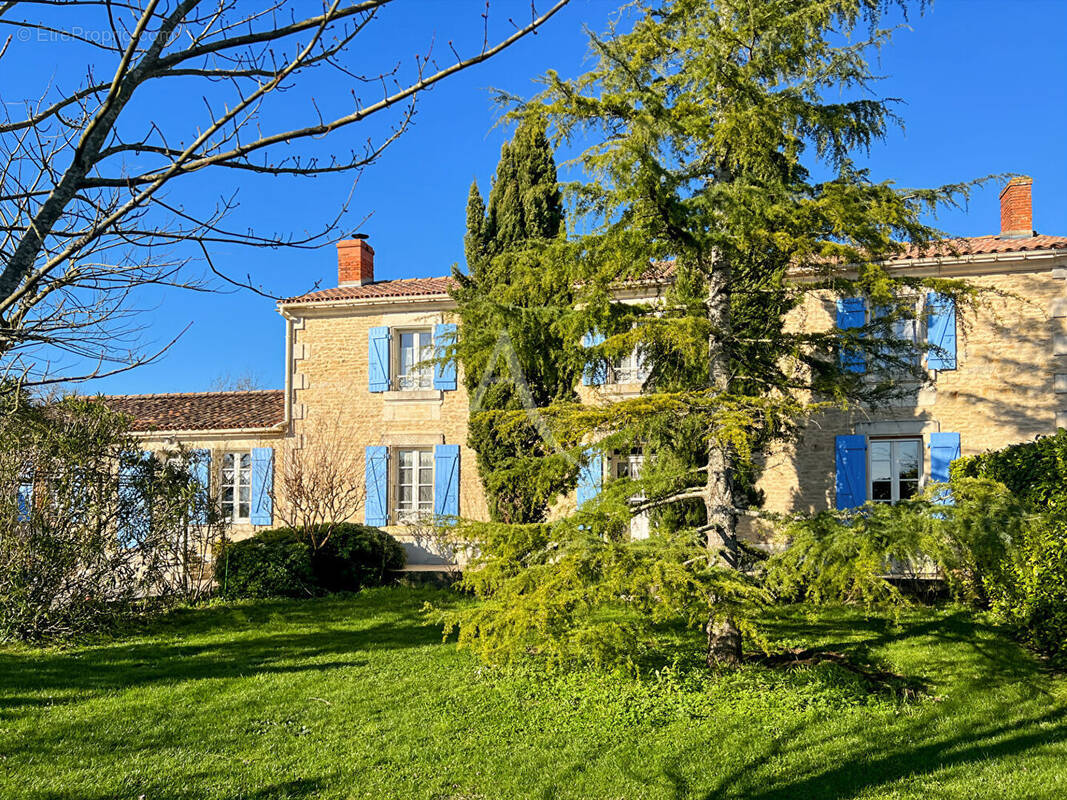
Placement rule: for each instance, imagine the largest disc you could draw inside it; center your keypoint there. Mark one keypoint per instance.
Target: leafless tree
(319, 483)
(86, 218)
(247, 381)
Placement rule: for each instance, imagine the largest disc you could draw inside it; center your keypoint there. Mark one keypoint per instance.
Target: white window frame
(917, 324)
(894, 466)
(421, 377)
(630, 368)
(634, 460)
(408, 516)
(232, 509)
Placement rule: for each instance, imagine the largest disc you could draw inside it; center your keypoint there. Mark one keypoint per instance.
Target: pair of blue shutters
(851, 458)
(444, 370)
(445, 483)
(262, 511)
(940, 330)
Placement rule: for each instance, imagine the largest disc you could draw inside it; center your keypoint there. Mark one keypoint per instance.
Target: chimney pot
(1016, 209)
(355, 262)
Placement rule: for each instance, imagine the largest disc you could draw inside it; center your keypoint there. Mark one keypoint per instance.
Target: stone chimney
(1016, 209)
(355, 262)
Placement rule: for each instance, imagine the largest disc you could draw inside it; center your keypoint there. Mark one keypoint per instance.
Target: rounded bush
(282, 563)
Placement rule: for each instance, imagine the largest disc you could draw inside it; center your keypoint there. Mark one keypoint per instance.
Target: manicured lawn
(357, 697)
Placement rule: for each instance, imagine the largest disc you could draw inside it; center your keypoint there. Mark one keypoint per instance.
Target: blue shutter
(376, 474)
(944, 449)
(262, 485)
(200, 468)
(941, 331)
(851, 482)
(24, 499)
(446, 480)
(444, 371)
(378, 359)
(590, 477)
(596, 373)
(852, 313)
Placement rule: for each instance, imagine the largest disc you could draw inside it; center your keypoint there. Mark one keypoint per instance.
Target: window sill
(412, 395)
(634, 387)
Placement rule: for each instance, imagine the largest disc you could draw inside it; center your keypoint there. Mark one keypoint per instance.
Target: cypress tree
(503, 292)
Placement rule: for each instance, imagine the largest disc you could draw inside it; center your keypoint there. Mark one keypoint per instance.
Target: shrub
(1035, 471)
(1034, 598)
(91, 525)
(1033, 595)
(282, 563)
(273, 563)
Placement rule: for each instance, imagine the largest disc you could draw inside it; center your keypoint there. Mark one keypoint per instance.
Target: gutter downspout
(289, 332)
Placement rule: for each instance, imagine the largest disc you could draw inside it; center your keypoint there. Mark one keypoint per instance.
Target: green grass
(356, 697)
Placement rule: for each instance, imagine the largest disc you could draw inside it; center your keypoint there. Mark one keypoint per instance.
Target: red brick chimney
(355, 262)
(1016, 209)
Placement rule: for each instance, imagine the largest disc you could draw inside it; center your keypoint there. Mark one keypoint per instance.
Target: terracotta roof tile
(664, 270)
(200, 411)
(404, 287)
(984, 245)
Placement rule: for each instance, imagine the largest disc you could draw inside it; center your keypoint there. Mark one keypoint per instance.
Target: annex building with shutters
(358, 365)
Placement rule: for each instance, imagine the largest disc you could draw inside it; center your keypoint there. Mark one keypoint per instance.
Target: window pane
(881, 470)
(246, 494)
(244, 512)
(405, 496)
(227, 476)
(227, 495)
(426, 458)
(882, 490)
(425, 494)
(908, 460)
(908, 489)
(227, 461)
(246, 461)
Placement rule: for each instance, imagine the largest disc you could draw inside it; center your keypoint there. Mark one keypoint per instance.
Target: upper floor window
(414, 359)
(628, 369)
(235, 486)
(414, 484)
(894, 469)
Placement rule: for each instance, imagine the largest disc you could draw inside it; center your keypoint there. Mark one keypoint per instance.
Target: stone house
(355, 370)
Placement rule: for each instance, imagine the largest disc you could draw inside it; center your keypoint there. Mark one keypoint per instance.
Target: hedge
(282, 563)
(1035, 598)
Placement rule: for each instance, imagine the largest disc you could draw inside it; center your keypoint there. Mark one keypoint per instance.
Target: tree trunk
(724, 638)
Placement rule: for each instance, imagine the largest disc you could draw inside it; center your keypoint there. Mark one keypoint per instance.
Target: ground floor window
(628, 464)
(894, 469)
(235, 486)
(414, 484)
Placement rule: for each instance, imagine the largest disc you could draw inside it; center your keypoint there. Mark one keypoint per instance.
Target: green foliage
(1035, 471)
(90, 524)
(702, 125)
(990, 547)
(855, 556)
(504, 297)
(281, 563)
(1032, 596)
(1034, 600)
(568, 594)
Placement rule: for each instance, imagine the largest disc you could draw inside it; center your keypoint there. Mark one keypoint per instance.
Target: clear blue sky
(983, 80)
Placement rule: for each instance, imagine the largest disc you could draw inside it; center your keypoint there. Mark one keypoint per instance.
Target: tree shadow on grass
(284, 790)
(247, 647)
(996, 708)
